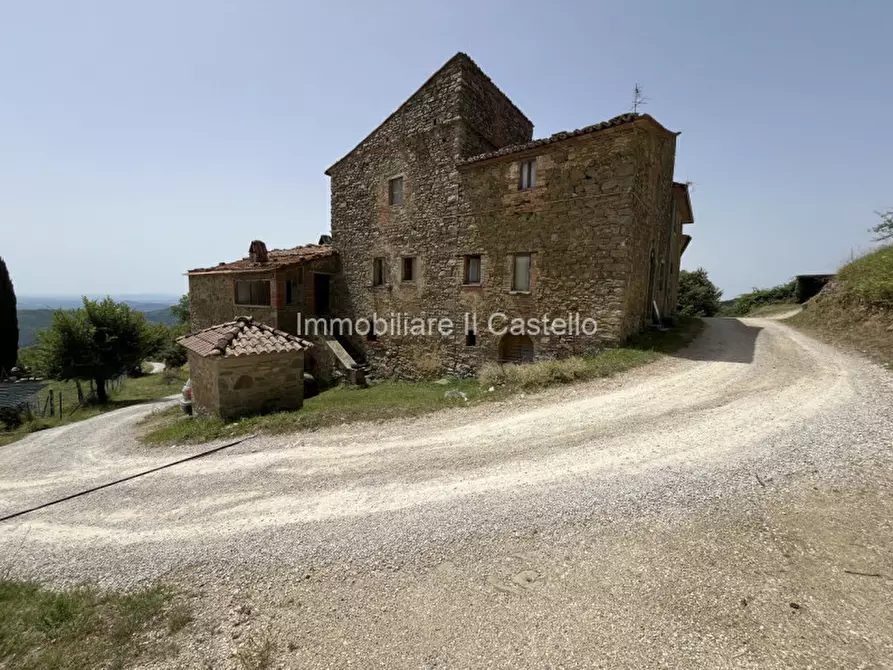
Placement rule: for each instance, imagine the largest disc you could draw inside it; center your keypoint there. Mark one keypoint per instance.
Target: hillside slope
(33, 320)
(856, 309)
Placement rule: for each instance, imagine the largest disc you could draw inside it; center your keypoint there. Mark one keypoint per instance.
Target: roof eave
(538, 145)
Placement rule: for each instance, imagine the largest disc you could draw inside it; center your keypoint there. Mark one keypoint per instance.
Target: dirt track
(668, 516)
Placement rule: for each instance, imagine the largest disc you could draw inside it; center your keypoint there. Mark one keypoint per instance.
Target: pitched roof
(563, 135)
(242, 337)
(460, 57)
(277, 258)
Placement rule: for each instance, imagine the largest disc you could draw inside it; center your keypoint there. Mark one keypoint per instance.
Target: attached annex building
(450, 208)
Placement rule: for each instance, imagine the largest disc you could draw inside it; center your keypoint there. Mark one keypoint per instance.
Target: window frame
(392, 196)
(515, 257)
(527, 168)
(379, 271)
(466, 276)
(251, 293)
(412, 268)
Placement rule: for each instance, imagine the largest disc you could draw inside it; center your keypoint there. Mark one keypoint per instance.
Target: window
(407, 272)
(521, 274)
(528, 174)
(253, 292)
(471, 339)
(395, 191)
(472, 270)
(378, 273)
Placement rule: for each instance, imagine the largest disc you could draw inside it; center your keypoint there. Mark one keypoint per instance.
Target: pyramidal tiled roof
(242, 337)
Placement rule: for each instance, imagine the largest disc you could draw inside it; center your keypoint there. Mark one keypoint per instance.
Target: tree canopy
(698, 296)
(9, 322)
(100, 341)
(181, 310)
(884, 230)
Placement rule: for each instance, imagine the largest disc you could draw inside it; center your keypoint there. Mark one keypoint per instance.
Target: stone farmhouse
(450, 208)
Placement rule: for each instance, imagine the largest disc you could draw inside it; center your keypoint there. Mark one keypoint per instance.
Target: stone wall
(212, 295)
(259, 384)
(600, 205)
(655, 151)
(203, 373)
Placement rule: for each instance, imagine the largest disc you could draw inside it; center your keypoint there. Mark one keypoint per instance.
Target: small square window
(252, 292)
(378, 272)
(472, 270)
(395, 191)
(407, 272)
(521, 274)
(528, 174)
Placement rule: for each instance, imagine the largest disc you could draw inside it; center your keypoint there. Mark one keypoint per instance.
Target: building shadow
(725, 340)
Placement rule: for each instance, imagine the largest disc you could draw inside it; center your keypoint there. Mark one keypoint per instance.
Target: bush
(13, 417)
(698, 296)
(747, 302)
(535, 375)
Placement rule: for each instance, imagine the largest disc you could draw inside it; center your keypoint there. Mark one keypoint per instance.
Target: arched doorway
(515, 349)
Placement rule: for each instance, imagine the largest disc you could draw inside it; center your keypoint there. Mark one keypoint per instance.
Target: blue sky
(140, 139)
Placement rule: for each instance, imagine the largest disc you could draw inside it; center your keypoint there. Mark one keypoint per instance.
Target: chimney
(257, 252)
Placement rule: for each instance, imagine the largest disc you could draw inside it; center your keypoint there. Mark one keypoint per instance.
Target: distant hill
(144, 302)
(33, 320)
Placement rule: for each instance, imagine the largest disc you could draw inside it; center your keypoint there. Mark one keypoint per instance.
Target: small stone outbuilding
(245, 367)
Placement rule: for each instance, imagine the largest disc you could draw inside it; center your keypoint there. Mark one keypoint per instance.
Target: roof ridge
(620, 119)
(230, 334)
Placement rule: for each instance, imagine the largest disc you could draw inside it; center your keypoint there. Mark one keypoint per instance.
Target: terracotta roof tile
(277, 258)
(242, 337)
(557, 137)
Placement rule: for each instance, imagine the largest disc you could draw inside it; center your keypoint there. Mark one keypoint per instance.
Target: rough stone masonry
(432, 209)
(449, 208)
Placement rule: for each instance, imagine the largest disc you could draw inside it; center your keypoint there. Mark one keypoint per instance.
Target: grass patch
(82, 627)
(773, 309)
(132, 391)
(640, 350)
(870, 278)
(390, 400)
(856, 309)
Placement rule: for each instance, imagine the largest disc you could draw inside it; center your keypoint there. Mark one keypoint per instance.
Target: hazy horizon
(142, 140)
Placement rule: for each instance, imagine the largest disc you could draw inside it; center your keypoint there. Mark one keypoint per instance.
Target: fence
(44, 403)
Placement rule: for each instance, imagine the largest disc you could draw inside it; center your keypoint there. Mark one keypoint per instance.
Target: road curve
(691, 457)
(740, 387)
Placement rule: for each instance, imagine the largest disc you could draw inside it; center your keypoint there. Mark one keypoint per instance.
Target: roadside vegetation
(856, 309)
(131, 391)
(83, 627)
(698, 296)
(94, 358)
(388, 400)
(762, 302)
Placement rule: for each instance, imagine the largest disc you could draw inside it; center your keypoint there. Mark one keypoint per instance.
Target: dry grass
(390, 400)
(856, 309)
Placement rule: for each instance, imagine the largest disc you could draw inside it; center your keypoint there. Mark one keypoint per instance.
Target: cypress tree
(9, 322)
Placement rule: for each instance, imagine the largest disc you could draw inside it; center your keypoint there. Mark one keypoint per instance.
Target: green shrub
(698, 296)
(747, 302)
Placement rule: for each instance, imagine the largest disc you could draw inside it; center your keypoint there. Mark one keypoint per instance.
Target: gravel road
(725, 507)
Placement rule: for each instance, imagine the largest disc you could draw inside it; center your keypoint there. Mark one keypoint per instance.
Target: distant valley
(35, 313)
